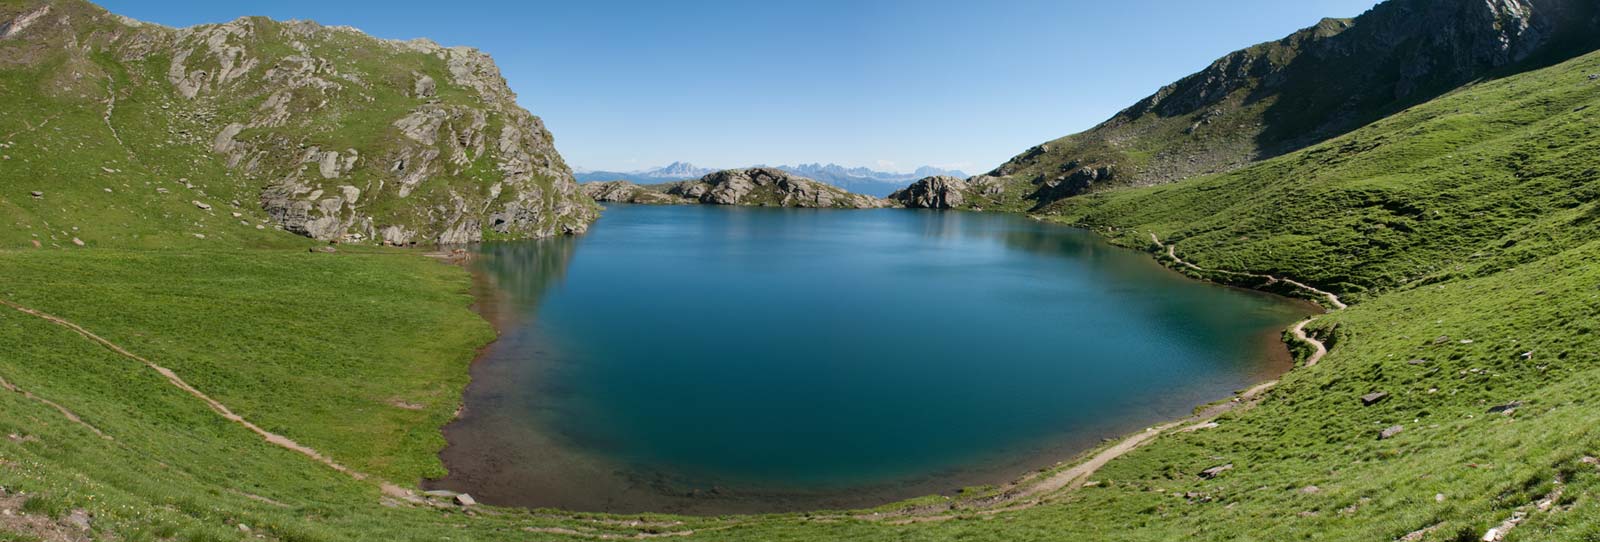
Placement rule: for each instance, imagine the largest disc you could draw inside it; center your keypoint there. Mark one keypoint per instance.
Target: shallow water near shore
(708, 360)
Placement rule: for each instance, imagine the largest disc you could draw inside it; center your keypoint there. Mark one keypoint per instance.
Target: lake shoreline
(714, 500)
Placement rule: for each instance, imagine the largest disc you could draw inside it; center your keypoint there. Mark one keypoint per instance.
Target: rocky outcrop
(945, 192)
(770, 187)
(347, 137)
(627, 192)
(938, 192)
(1315, 84)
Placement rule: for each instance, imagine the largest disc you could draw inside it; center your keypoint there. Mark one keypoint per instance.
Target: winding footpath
(172, 378)
(651, 530)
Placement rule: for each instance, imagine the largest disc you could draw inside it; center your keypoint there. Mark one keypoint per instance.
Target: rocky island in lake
(753, 187)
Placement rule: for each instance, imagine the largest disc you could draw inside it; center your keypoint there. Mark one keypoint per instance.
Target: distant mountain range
(676, 171)
(859, 180)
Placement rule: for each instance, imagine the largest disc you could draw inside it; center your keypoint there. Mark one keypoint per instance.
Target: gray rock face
(1216, 471)
(939, 192)
(340, 148)
(627, 192)
(945, 192)
(770, 187)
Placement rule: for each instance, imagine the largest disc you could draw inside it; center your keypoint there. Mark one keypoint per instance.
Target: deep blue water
(713, 359)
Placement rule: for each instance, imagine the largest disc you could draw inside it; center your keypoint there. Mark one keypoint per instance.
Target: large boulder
(938, 192)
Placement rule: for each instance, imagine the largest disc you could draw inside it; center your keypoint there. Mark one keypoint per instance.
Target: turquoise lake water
(703, 359)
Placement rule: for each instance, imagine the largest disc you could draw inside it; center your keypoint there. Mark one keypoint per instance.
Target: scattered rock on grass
(77, 241)
(79, 518)
(1507, 408)
(203, 206)
(1374, 398)
(1213, 472)
(1390, 432)
(37, 194)
(465, 500)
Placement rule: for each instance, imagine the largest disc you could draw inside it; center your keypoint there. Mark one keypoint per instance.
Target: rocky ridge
(946, 192)
(346, 137)
(754, 187)
(628, 192)
(770, 187)
(1317, 83)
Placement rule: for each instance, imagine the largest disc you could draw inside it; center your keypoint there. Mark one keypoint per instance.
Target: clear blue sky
(890, 84)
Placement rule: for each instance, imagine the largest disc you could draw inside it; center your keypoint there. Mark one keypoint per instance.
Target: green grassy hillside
(220, 132)
(1280, 96)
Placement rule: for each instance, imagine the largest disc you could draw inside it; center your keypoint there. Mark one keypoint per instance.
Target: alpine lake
(714, 360)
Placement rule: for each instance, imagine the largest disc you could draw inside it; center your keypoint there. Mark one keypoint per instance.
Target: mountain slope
(322, 131)
(1317, 83)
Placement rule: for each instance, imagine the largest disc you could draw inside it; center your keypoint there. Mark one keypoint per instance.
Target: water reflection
(512, 278)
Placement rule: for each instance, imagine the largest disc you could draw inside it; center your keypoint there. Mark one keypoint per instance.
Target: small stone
(1527, 355)
(238, 215)
(79, 518)
(37, 194)
(1590, 460)
(1466, 341)
(77, 241)
(1374, 398)
(1418, 361)
(465, 500)
(199, 236)
(1213, 472)
(441, 493)
(201, 205)
(1507, 408)
(1438, 497)
(1390, 432)
(1311, 490)
(244, 528)
(1594, 76)
(260, 227)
